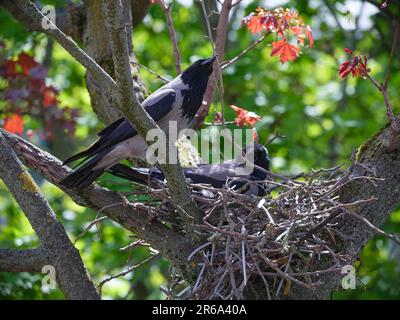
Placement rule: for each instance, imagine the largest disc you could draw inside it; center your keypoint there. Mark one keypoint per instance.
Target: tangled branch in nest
(276, 240)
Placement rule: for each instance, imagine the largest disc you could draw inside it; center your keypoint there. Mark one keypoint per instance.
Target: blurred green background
(322, 117)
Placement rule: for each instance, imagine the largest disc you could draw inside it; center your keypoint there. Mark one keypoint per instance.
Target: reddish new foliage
(282, 22)
(285, 51)
(245, 117)
(14, 124)
(357, 65)
(27, 63)
(255, 25)
(26, 93)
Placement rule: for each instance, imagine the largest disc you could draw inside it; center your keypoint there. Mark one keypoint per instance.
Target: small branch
(172, 34)
(90, 225)
(163, 79)
(393, 237)
(220, 42)
(125, 272)
(383, 89)
(228, 63)
(392, 52)
(389, 111)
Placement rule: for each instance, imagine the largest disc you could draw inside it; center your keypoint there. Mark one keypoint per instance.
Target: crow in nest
(228, 173)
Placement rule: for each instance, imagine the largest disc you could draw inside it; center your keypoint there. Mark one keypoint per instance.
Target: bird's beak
(209, 60)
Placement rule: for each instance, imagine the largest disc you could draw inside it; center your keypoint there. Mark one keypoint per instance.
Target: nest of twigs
(276, 242)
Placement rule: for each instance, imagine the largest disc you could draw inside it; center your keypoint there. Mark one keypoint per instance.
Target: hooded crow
(178, 100)
(216, 175)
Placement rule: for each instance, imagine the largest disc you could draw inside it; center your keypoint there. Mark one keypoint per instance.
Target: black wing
(157, 106)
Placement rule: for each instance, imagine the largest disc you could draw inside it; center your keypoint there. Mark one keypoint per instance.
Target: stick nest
(278, 240)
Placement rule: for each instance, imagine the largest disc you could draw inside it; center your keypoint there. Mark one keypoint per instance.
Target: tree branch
(220, 42)
(130, 107)
(135, 113)
(97, 45)
(373, 156)
(172, 34)
(133, 217)
(34, 14)
(30, 260)
(69, 19)
(71, 273)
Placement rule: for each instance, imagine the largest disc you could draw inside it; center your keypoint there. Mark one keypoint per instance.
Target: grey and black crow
(178, 100)
(216, 175)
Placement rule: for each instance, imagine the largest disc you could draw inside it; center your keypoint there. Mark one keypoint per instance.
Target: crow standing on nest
(178, 100)
(216, 175)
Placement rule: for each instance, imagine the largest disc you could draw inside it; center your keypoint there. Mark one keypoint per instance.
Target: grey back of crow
(178, 100)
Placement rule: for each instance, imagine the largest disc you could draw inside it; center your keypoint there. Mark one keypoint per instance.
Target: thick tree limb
(374, 155)
(30, 260)
(69, 19)
(71, 273)
(176, 247)
(133, 111)
(97, 45)
(34, 14)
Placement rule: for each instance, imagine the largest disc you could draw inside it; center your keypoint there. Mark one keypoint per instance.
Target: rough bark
(97, 44)
(72, 276)
(135, 113)
(29, 260)
(373, 156)
(132, 216)
(70, 19)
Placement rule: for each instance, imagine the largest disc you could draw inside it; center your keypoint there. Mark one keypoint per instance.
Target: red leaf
(309, 36)
(348, 50)
(255, 25)
(344, 69)
(14, 124)
(26, 62)
(297, 30)
(255, 135)
(49, 96)
(357, 66)
(9, 69)
(245, 117)
(285, 51)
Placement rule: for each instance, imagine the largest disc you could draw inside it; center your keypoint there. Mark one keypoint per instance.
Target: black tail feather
(85, 175)
(89, 152)
(125, 172)
(81, 178)
(118, 131)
